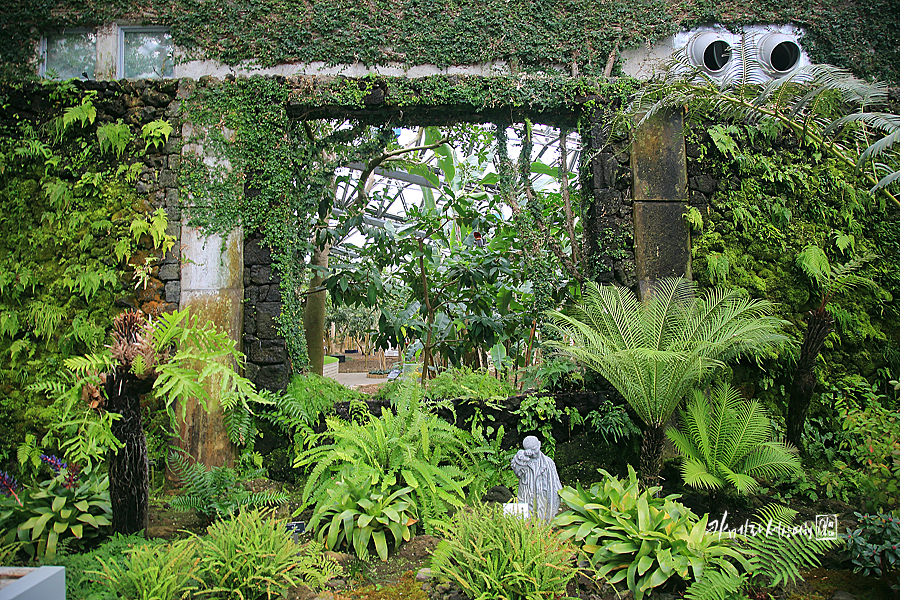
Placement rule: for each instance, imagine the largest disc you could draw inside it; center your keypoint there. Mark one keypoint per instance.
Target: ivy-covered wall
(862, 35)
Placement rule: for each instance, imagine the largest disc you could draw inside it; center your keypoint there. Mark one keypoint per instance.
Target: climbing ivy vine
(529, 35)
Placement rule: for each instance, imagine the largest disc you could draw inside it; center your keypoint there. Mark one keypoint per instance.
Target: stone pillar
(607, 207)
(661, 234)
(212, 288)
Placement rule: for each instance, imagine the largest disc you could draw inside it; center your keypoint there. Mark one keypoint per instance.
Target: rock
(424, 574)
(498, 493)
(336, 584)
(842, 595)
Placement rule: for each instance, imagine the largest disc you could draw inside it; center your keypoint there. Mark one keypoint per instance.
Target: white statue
(538, 481)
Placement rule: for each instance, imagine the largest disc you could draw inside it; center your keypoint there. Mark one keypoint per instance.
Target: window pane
(148, 55)
(71, 55)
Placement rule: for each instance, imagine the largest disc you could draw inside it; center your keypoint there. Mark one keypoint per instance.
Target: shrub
(725, 441)
(363, 510)
(83, 580)
(873, 441)
(492, 556)
(153, 571)
(633, 536)
(464, 383)
(307, 400)
(250, 555)
(874, 546)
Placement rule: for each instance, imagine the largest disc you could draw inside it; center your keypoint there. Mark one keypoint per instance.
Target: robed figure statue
(538, 481)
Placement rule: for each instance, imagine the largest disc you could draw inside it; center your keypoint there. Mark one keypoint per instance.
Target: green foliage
(218, 492)
(490, 555)
(61, 507)
(83, 580)
(554, 374)
(250, 555)
(655, 352)
(156, 133)
(611, 421)
(153, 571)
(464, 383)
(872, 440)
(725, 441)
(873, 544)
(66, 213)
(362, 510)
(114, 137)
(414, 446)
(307, 400)
(537, 413)
(339, 33)
(634, 536)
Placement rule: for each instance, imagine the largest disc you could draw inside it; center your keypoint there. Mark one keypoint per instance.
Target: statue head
(532, 446)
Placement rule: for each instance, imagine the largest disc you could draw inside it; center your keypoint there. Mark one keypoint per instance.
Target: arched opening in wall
(436, 244)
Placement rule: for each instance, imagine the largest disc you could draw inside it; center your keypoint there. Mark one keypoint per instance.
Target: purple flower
(8, 486)
(56, 464)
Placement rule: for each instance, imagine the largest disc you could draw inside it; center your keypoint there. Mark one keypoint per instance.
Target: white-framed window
(145, 53)
(69, 54)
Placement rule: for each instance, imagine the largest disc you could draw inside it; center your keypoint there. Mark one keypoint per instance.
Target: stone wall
(607, 205)
(137, 103)
(268, 365)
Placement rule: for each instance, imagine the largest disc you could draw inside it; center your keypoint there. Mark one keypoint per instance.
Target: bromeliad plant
(68, 505)
(360, 511)
(633, 536)
(726, 441)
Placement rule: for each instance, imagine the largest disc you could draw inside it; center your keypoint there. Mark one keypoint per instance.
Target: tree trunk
(314, 313)
(651, 456)
(129, 471)
(819, 324)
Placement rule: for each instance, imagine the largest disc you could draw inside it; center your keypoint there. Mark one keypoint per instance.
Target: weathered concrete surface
(661, 235)
(661, 242)
(212, 288)
(658, 159)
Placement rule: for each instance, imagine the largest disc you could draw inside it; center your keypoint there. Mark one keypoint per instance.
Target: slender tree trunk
(314, 313)
(820, 323)
(129, 471)
(651, 456)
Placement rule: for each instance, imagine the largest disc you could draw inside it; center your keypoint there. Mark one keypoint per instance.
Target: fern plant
(725, 441)
(218, 492)
(429, 455)
(656, 351)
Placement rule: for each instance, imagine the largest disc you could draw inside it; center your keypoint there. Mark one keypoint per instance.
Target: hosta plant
(631, 535)
(364, 510)
(67, 505)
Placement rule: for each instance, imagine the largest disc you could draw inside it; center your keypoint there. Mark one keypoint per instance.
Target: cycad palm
(655, 352)
(725, 440)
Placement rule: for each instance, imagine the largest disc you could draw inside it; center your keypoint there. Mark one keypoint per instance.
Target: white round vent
(710, 51)
(779, 54)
